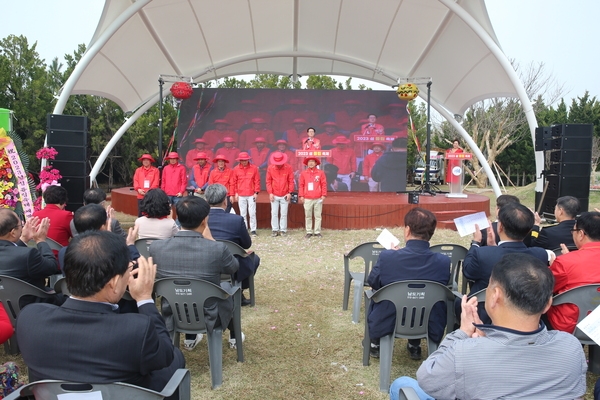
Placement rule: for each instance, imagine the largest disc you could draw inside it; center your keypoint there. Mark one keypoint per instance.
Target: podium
(455, 174)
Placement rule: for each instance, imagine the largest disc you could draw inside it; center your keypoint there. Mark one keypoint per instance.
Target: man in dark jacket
(390, 168)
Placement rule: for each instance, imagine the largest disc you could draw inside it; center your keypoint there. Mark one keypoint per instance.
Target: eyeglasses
(576, 229)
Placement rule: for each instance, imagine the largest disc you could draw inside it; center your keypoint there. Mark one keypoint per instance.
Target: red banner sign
(374, 138)
(459, 156)
(313, 153)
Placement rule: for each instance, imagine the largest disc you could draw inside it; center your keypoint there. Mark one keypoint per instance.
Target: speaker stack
(68, 134)
(570, 159)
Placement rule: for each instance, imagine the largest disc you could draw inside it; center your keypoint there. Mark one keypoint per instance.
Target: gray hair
(215, 194)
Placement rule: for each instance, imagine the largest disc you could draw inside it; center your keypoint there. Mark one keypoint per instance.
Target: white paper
(387, 240)
(80, 396)
(590, 325)
(466, 225)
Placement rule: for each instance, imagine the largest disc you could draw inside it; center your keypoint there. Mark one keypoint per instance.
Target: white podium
(455, 174)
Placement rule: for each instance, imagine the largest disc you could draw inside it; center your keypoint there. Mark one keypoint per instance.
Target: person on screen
(390, 167)
(238, 119)
(348, 120)
(327, 137)
(215, 136)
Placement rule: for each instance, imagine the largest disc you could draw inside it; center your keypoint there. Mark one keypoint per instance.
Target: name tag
(146, 184)
(311, 186)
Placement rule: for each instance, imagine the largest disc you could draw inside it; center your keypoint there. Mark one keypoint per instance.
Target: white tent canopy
(452, 42)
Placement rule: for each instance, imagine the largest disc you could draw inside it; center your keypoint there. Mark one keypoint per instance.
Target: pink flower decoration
(49, 153)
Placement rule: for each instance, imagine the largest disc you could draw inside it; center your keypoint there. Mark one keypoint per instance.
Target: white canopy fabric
(450, 41)
(378, 40)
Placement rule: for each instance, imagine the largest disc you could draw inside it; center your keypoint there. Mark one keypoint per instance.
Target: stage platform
(350, 210)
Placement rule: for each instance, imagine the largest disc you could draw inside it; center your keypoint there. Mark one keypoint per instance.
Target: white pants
(313, 207)
(248, 204)
(373, 186)
(346, 179)
(279, 224)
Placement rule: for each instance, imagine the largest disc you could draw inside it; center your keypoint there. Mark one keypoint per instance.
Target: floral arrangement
(49, 176)
(9, 193)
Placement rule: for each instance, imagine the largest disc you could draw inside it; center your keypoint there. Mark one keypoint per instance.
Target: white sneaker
(191, 344)
(232, 341)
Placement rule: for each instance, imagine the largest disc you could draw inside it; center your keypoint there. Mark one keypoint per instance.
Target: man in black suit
(29, 264)
(551, 237)
(514, 223)
(98, 196)
(87, 339)
(501, 201)
(227, 226)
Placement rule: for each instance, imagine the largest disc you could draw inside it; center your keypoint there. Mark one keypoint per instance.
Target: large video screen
(360, 136)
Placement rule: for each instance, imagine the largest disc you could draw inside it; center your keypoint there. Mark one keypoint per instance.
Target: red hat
(299, 121)
(172, 155)
(329, 123)
(278, 158)
(220, 157)
(201, 156)
(281, 141)
(305, 162)
(249, 101)
(297, 101)
(200, 141)
(260, 139)
(258, 121)
(228, 139)
(352, 102)
(221, 121)
(146, 157)
(341, 140)
(378, 144)
(243, 156)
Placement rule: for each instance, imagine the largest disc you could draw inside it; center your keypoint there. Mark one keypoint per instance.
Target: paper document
(80, 396)
(387, 240)
(590, 325)
(466, 225)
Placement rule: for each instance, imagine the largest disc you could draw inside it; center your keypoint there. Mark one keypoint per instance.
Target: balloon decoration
(182, 90)
(407, 91)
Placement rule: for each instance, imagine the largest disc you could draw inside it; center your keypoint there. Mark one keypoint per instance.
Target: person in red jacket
(280, 185)
(312, 192)
(246, 186)
(259, 129)
(295, 135)
(229, 151)
(223, 175)
(326, 138)
(174, 178)
(200, 146)
(56, 198)
(369, 162)
(145, 178)
(199, 175)
(215, 136)
(344, 158)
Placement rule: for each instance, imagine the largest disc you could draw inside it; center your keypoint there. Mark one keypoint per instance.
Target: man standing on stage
(312, 192)
(369, 163)
(280, 185)
(145, 178)
(344, 158)
(199, 174)
(174, 178)
(245, 184)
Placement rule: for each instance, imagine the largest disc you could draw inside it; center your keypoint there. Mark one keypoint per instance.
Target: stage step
(445, 219)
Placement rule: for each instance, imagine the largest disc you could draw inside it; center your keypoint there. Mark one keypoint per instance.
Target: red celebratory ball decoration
(182, 90)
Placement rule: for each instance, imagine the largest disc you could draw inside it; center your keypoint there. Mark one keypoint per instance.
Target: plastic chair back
(457, 254)
(586, 298)
(558, 250)
(369, 252)
(54, 245)
(143, 246)
(12, 290)
(51, 389)
(239, 251)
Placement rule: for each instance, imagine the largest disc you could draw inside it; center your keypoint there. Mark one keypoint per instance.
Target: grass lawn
(300, 344)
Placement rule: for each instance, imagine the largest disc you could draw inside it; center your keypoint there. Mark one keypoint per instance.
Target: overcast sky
(563, 34)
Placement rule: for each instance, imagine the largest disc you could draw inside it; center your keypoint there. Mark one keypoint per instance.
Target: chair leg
(251, 288)
(176, 339)
(386, 350)
(347, 283)
(11, 346)
(237, 325)
(215, 357)
(358, 292)
(367, 339)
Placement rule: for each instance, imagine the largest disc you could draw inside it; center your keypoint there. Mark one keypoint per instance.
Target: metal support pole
(161, 82)
(428, 146)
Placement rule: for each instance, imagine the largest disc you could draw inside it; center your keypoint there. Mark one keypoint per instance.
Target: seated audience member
(60, 219)
(334, 184)
(93, 217)
(551, 237)
(97, 196)
(576, 268)
(501, 200)
(156, 221)
(232, 227)
(87, 339)
(514, 223)
(509, 359)
(29, 264)
(193, 253)
(390, 166)
(415, 261)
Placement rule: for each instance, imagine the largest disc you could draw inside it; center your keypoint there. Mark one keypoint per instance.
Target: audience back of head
(589, 222)
(94, 196)
(191, 211)
(421, 223)
(505, 199)
(155, 204)
(215, 194)
(8, 221)
(516, 219)
(90, 217)
(570, 205)
(526, 282)
(92, 259)
(55, 195)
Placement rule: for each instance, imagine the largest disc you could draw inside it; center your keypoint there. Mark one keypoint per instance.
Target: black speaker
(543, 137)
(575, 130)
(68, 135)
(572, 156)
(569, 169)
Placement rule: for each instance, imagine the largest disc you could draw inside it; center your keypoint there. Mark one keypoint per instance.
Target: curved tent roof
(378, 40)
